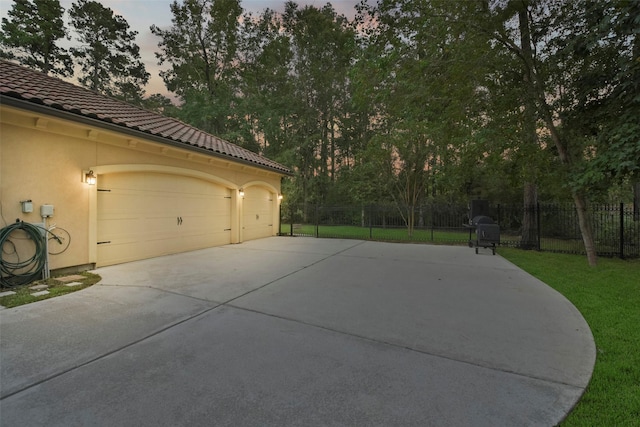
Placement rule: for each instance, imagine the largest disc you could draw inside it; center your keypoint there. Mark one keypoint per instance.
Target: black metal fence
(544, 227)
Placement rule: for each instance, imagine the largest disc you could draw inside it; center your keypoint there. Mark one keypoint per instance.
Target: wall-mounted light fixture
(241, 192)
(279, 196)
(89, 177)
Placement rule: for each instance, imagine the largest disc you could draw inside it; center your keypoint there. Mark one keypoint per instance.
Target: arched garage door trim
(171, 170)
(260, 213)
(268, 186)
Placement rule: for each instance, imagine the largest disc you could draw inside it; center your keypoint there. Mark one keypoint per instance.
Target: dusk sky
(141, 14)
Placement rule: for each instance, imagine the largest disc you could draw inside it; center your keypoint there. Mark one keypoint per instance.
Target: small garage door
(257, 213)
(143, 215)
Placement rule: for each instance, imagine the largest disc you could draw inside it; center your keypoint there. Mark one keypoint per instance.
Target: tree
(30, 35)
(201, 48)
(603, 48)
(267, 85)
(159, 104)
(578, 62)
(293, 91)
(322, 43)
(109, 57)
(421, 73)
(513, 109)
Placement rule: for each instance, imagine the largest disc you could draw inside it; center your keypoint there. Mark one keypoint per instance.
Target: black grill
(487, 231)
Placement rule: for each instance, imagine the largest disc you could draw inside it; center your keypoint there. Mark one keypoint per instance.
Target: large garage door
(143, 215)
(257, 213)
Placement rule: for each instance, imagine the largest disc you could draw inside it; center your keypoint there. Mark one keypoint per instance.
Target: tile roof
(38, 88)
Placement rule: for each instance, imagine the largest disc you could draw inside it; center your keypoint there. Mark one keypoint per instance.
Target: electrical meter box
(46, 211)
(27, 206)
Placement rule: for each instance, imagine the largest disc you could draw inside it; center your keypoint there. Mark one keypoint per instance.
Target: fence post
(317, 221)
(433, 220)
(280, 219)
(291, 224)
(370, 222)
(498, 218)
(538, 224)
(621, 230)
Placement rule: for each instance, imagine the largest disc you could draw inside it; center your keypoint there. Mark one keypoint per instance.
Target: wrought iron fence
(544, 227)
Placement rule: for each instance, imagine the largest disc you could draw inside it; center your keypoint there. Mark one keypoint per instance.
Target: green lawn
(23, 295)
(388, 234)
(608, 296)
(438, 236)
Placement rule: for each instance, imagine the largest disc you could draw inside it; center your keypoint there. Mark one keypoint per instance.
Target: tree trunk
(544, 110)
(529, 238)
(332, 150)
(585, 228)
(411, 216)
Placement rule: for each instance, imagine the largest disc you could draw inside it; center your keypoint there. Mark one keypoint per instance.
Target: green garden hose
(14, 272)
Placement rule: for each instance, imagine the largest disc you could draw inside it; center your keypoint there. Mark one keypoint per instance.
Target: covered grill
(487, 231)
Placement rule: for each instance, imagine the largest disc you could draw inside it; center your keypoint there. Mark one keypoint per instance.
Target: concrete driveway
(299, 332)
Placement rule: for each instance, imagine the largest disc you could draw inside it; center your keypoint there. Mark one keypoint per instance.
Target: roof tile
(38, 88)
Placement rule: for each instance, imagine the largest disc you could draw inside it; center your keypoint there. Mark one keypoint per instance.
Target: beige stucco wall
(42, 159)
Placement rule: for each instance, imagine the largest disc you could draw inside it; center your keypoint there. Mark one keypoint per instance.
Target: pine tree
(108, 54)
(30, 33)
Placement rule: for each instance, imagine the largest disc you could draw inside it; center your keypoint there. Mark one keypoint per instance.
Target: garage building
(127, 183)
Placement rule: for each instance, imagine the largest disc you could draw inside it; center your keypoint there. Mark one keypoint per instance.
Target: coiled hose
(15, 272)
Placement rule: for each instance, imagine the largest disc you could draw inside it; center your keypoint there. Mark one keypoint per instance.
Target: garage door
(143, 215)
(257, 213)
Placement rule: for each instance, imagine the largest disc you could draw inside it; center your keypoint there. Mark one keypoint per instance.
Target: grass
(56, 288)
(438, 236)
(397, 234)
(608, 296)
(452, 236)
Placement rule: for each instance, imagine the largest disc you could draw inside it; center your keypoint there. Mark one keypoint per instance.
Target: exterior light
(241, 192)
(279, 196)
(90, 178)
